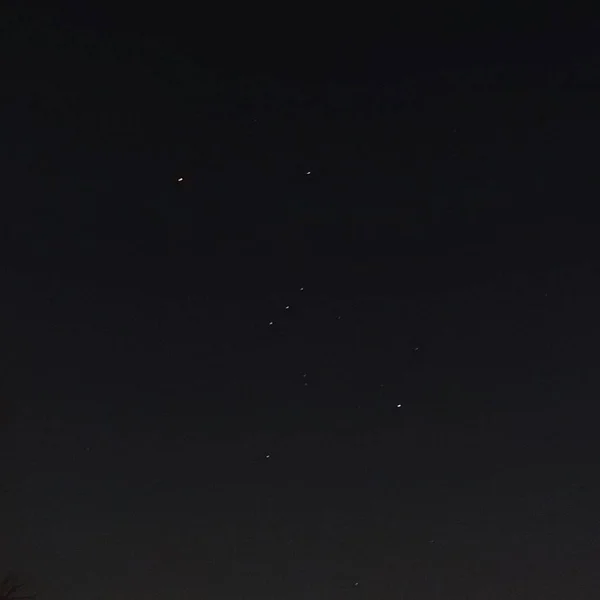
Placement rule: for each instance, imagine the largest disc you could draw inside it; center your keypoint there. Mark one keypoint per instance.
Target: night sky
(296, 312)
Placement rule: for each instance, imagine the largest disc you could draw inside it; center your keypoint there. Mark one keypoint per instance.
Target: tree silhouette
(10, 588)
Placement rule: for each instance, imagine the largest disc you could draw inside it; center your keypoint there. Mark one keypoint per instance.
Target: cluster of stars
(338, 317)
(305, 375)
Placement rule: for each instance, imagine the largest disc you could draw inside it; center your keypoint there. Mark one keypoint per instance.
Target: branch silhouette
(10, 587)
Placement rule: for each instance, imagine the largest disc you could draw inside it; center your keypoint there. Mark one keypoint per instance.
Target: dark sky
(352, 354)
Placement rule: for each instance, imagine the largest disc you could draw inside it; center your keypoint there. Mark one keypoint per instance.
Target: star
(180, 180)
(398, 405)
(287, 307)
(271, 322)
(308, 172)
(268, 456)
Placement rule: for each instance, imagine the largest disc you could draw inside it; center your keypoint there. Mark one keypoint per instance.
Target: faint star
(270, 322)
(308, 172)
(287, 307)
(301, 289)
(268, 456)
(180, 180)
